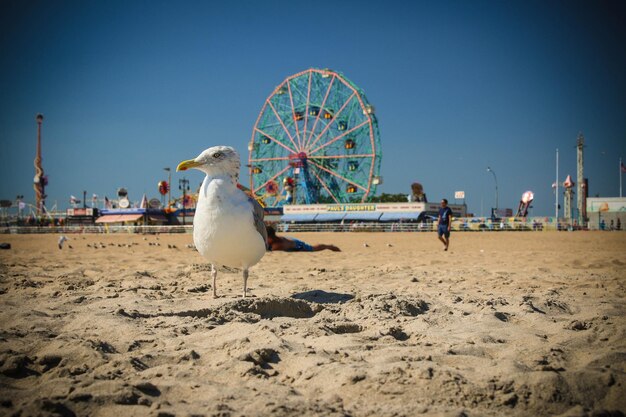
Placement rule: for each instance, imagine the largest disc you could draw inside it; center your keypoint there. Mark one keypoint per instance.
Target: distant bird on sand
(228, 228)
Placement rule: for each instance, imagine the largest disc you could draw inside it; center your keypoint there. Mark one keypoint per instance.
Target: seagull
(228, 228)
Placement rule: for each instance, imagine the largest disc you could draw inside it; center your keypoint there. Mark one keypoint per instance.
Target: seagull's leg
(214, 276)
(245, 282)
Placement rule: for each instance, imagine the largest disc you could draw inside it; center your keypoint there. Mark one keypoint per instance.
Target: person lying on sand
(275, 243)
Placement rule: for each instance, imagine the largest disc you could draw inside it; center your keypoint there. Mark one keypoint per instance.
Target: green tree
(388, 198)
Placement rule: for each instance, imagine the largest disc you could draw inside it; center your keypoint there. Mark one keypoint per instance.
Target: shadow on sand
(323, 297)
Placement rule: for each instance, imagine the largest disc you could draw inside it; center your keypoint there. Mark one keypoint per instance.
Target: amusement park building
(607, 211)
(135, 216)
(296, 213)
(373, 212)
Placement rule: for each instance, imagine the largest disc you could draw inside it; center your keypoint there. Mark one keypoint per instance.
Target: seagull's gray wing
(258, 218)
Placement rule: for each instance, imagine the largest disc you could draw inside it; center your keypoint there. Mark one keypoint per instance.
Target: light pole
(183, 184)
(169, 185)
(493, 213)
(18, 200)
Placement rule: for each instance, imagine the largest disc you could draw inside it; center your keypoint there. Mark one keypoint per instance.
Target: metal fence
(96, 229)
(459, 225)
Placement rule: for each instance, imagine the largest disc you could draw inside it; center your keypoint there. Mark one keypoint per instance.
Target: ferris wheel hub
(298, 159)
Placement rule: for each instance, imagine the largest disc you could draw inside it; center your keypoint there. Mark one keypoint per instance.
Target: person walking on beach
(445, 221)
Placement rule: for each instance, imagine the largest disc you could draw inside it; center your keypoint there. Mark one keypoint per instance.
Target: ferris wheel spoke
(330, 142)
(283, 125)
(286, 158)
(325, 186)
(343, 156)
(338, 176)
(306, 111)
(332, 121)
(298, 91)
(319, 113)
(273, 139)
(293, 114)
(254, 191)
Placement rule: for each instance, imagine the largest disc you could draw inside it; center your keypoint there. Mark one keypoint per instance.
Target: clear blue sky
(130, 87)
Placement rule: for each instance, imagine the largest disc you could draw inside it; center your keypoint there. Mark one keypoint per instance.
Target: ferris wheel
(315, 141)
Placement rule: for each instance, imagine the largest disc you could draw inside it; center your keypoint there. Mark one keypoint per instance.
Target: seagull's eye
(217, 155)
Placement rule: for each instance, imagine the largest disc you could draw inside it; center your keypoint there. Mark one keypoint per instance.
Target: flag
(622, 167)
(107, 203)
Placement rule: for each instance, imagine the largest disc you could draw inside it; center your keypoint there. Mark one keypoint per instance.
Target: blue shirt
(444, 215)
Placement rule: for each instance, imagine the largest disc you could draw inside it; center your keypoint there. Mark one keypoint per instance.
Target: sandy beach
(515, 324)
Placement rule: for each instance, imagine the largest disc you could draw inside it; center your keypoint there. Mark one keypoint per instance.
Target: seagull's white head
(215, 161)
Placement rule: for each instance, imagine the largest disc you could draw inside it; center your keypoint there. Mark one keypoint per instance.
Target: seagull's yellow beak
(185, 165)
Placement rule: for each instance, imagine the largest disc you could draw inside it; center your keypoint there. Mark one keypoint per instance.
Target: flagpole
(620, 178)
(556, 203)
